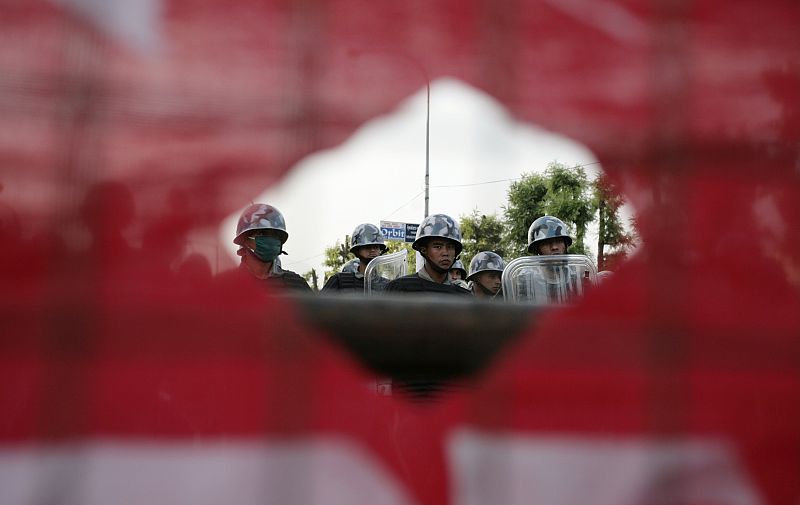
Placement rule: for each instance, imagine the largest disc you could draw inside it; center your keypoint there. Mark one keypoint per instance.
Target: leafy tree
(336, 256)
(526, 202)
(480, 232)
(613, 241)
(393, 246)
(570, 199)
(562, 191)
(312, 279)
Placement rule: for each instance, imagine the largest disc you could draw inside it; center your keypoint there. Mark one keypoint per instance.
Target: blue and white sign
(400, 232)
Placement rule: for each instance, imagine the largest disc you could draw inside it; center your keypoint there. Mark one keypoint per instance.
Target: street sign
(400, 232)
(393, 231)
(411, 231)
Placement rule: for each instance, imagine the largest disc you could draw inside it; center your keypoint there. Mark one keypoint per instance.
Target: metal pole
(427, 147)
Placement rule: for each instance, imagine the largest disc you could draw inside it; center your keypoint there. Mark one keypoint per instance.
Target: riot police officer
(458, 274)
(439, 242)
(457, 271)
(485, 273)
(260, 235)
(367, 242)
(548, 235)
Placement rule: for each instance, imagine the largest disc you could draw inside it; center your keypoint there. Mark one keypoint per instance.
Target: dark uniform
(262, 222)
(350, 280)
(433, 226)
(281, 279)
(414, 283)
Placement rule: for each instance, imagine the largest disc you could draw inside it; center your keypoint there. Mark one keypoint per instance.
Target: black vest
(344, 281)
(415, 284)
(290, 280)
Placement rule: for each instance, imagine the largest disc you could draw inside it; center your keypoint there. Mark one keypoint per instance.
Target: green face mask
(267, 248)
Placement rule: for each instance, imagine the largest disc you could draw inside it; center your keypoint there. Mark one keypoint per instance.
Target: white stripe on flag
(136, 23)
(322, 470)
(517, 469)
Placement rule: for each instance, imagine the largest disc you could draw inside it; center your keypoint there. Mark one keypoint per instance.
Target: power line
(294, 262)
(405, 204)
(475, 183)
(504, 180)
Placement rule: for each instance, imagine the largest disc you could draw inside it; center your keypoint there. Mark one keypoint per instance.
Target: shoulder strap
(332, 284)
(293, 281)
(415, 284)
(344, 281)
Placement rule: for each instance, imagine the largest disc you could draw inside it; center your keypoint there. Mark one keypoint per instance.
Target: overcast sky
(379, 172)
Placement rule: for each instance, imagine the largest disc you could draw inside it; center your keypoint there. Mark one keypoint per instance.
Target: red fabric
(110, 159)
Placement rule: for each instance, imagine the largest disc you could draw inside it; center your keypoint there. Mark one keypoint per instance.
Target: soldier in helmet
(457, 271)
(367, 243)
(548, 235)
(439, 242)
(458, 274)
(260, 235)
(485, 273)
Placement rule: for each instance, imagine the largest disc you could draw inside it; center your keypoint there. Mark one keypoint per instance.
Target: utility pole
(427, 147)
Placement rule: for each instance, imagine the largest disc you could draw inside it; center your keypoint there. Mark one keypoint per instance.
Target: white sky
(379, 172)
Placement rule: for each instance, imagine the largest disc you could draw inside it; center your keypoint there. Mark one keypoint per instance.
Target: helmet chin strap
(486, 291)
(436, 267)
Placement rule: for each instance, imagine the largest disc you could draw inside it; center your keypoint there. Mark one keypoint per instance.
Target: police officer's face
(368, 251)
(552, 246)
(440, 252)
(250, 237)
(455, 274)
(489, 280)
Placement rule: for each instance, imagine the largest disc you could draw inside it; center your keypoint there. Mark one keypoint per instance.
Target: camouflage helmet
(366, 234)
(260, 216)
(457, 265)
(544, 228)
(438, 225)
(485, 261)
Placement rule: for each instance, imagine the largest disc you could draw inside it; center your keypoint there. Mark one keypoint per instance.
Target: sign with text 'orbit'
(400, 232)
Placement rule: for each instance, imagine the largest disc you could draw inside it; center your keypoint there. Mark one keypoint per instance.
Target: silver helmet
(485, 261)
(547, 227)
(260, 216)
(438, 225)
(366, 234)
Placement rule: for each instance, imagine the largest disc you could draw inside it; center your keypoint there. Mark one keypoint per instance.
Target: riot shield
(547, 280)
(383, 269)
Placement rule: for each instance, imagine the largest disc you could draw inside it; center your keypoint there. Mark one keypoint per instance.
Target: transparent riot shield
(383, 269)
(547, 280)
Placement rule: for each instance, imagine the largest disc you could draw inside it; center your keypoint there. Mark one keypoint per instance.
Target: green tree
(393, 246)
(526, 202)
(614, 242)
(336, 256)
(312, 279)
(570, 199)
(562, 191)
(480, 232)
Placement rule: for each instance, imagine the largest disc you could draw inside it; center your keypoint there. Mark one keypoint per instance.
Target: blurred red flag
(130, 129)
